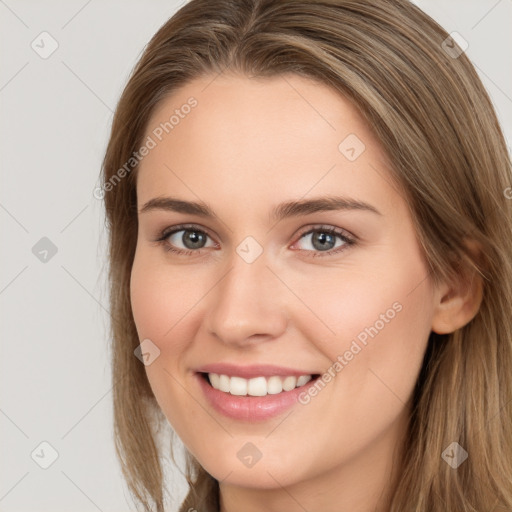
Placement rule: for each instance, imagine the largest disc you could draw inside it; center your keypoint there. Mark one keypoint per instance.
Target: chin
(254, 463)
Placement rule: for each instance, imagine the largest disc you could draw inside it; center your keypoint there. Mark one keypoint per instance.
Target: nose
(248, 305)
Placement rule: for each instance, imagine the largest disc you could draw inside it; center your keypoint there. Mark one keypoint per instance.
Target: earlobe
(457, 302)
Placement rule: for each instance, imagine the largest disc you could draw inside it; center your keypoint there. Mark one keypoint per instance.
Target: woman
(310, 253)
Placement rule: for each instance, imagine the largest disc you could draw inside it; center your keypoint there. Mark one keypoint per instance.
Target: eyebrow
(279, 212)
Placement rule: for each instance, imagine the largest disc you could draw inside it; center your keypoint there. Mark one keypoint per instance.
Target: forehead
(254, 139)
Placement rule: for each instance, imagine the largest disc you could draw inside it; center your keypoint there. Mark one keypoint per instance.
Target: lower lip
(250, 408)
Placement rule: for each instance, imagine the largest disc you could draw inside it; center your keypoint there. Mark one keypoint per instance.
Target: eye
(325, 239)
(190, 240)
(185, 239)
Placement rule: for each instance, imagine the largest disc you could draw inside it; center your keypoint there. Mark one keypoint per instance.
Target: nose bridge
(247, 303)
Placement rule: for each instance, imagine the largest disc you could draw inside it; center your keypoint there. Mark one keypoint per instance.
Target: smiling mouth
(257, 386)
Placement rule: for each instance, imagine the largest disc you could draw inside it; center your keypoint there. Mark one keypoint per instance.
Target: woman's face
(301, 260)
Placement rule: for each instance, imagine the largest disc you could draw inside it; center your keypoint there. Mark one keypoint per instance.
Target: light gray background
(55, 117)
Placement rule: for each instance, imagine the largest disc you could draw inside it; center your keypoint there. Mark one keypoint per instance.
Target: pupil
(193, 239)
(323, 241)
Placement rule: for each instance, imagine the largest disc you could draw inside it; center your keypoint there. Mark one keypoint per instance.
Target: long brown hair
(426, 104)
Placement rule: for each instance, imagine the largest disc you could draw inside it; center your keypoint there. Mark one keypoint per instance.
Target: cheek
(372, 326)
(166, 301)
(362, 306)
(161, 298)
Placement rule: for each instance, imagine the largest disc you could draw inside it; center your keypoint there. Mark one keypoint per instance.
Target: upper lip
(251, 371)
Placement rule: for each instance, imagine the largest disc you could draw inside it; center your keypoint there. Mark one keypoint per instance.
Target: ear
(457, 302)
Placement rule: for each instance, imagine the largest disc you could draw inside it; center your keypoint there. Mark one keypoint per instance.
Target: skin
(248, 145)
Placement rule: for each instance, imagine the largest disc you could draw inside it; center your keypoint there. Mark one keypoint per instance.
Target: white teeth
(274, 385)
(224, 384)
(215, 380)
(238, 386)
(289, 383)
(303, 379)
(257, 386)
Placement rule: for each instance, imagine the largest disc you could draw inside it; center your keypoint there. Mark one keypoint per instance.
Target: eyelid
(183, 227)
(306, 230)
(347, 237)
(167, 232)
(328, 228)
(348, 240)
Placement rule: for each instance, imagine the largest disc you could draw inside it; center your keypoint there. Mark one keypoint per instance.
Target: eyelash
(166, 233)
